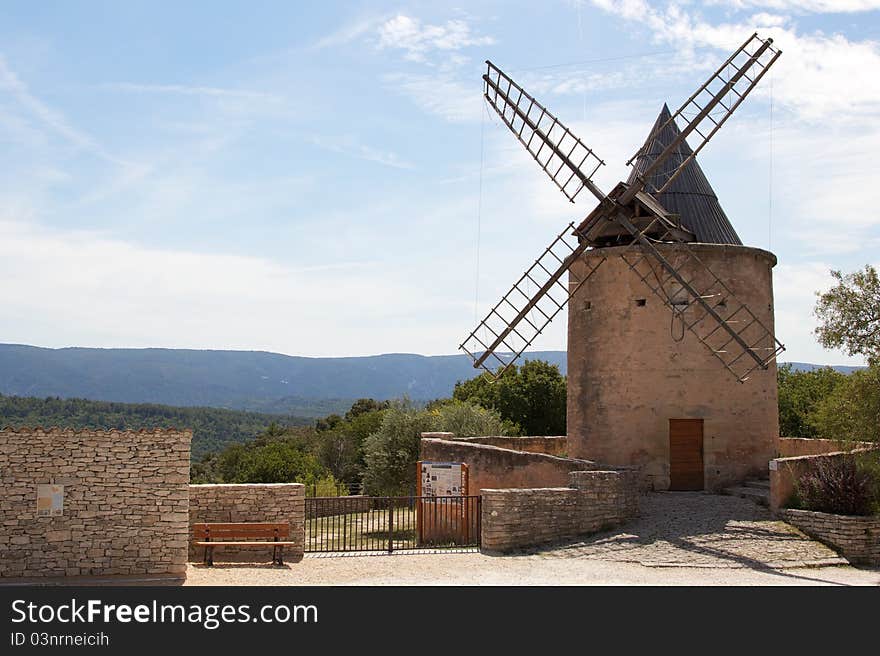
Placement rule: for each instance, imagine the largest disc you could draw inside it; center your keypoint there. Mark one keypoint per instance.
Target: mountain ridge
(260, 381)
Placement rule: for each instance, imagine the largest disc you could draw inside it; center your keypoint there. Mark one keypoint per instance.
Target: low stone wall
(552, 445)
(789, 447)
(496, 468)
(785, 472)
(856, 538)
(249, 502)
(521, 518)
(124, 502)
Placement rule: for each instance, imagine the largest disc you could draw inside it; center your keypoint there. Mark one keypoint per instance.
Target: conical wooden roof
(690, 195)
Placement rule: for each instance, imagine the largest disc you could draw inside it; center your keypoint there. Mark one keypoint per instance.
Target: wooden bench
(246, 534)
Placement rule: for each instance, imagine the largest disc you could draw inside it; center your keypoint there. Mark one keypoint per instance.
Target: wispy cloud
(349, 32)
(418, 39)
(49, 117)
(185, 90)
(442, 95)
(348, 145)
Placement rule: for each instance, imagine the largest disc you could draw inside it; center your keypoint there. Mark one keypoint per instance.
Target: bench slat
(202, 530)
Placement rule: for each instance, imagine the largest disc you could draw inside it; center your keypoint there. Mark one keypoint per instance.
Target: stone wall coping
(800, 512)
(509, 437)
(524, 490)
(821, 455)
(245, 485)
(55, 430)
(489, 447)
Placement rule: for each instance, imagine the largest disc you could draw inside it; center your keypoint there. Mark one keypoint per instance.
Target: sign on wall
(50, 500)
(442, 479)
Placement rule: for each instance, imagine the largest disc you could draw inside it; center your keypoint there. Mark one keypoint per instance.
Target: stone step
(758, 483)
(758, 495)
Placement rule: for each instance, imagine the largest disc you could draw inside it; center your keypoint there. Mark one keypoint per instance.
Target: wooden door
(685, 454)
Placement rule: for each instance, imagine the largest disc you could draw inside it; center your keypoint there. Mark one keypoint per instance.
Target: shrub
(844, 485)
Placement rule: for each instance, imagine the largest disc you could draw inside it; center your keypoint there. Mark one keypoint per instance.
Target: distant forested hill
(243, 380)
(246, 380)
(213, 428)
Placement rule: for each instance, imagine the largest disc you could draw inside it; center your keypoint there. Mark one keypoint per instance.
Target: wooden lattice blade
(567, 160)
(706, 307)
(527, 309)
(704, 113)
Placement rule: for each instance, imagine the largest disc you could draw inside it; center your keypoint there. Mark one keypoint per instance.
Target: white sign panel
(442, 479)
(50, 500)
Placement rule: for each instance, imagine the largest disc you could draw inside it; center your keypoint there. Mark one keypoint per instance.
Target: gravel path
(680, 539)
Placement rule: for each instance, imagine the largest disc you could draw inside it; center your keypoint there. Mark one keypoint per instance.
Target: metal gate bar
(364, 524)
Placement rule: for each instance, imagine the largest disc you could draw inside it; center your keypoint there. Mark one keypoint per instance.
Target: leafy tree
(390, 454)
(328, 423)
(279, 461)
(850, 314)
(800, 393)
(852, 410)
(341, 449)
(365, 406)
(532, 396)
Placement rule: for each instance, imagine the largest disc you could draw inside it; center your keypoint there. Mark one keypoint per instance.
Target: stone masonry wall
(785, 472)
(521, 518)
(552, 445)
(124, 508)
(495, 467)
(249, 502)
(857, 538)
(789, 447)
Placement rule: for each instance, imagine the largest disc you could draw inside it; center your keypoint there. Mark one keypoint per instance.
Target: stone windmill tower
(663, 297)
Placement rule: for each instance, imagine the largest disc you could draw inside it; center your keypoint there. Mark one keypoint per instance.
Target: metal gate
(360, 523)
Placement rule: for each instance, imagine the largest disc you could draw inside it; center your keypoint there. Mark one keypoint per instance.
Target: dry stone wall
(521, 518)
(249, 502)
(124, 502)
(857, 538)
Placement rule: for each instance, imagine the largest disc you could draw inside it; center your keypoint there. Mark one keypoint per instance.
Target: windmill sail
(568, 161)
(704, 304)
(531, 304)
(705, 112)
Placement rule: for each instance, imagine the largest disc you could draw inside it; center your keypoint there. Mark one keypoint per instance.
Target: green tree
(391, 453)
(364, 406)
(849, 314)
(532, 396)
(852, 410)
(800, 394)
(341, 449)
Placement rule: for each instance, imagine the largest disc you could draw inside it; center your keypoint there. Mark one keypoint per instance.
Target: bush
(391, 453)
(844, 485)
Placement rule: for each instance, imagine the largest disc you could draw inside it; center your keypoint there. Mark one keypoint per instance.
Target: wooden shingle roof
(690, 195)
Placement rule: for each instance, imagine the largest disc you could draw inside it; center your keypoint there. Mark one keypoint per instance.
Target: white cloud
(44, 114)
(185, 90)
(794, 289)
(802, 6)
(441, 95)
(418, 39)
(347, 33)
(108, 292)
(819, 77)
(350, 146)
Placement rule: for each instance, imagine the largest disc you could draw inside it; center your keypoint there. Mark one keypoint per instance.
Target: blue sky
(315, 178)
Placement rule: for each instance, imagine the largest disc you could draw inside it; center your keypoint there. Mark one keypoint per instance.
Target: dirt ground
(680, 539)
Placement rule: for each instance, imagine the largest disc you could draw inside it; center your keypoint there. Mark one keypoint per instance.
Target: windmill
(630, 222)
